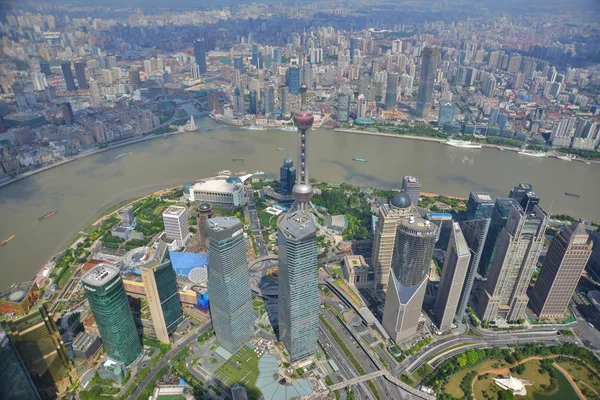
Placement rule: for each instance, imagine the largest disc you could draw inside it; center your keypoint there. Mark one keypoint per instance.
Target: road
(255, 225)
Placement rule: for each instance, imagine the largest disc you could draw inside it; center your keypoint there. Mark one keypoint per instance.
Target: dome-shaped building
(400, 200)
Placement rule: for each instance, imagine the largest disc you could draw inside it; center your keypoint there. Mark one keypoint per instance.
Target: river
(82, 189)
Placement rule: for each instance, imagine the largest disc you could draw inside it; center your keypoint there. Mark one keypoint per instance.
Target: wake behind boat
(123, 155)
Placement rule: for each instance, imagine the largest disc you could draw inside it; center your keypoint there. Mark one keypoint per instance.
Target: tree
(472, 357)
(462, 360)
(505, 395)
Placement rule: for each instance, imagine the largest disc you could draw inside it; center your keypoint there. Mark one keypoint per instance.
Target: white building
(220, 191)
(176, 223)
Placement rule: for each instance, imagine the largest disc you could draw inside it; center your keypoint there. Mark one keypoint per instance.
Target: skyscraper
(456, 264)
(160, 283)
(525, 195)
(565, 260)
(298, 297)
(287, 175)
(269, 100)
(253, 106)
(285, 103)
(200, 54)
(45, 69)
(480, 205)
(390, 215)
(293, 79)
(176, 223)
(391, 93)
(80, 74)
(68, 75)
(446, 114)
(67, 112)
(229, 283)
(205, 212)
(134, 77)
(413, 251)
(519, 246)
(429, 66)
(15, 382)
(343, 107)
(239, 105)
(412, 187)
(238, 63)
(107, 299)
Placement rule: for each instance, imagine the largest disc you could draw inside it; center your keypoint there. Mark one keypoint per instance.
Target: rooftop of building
(174, 211)
(419, 226)
(17, 292)
(482, 196)
(100, 275)
(297, 224)
(412, 179)
(219, 224)
(217, 185)
(83, 341)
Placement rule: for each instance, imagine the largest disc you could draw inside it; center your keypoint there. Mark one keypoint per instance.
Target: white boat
(225, 172)
(288, 128)
(259, 172)
(464, 144)
(532, 154)
(253, 128)
(564, 158)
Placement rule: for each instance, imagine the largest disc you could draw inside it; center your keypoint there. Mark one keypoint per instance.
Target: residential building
(456, 265)
(413, 251)
(177, 225)
(429, 66)
(229, 283)
(565, 260)
(107, 299)
(412, 187)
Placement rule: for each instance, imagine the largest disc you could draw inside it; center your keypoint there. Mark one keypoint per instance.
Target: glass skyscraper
(446, 114)
(68, 75)
(429, 66)
(80, 74)
(229, 283)
(293, 80)
(480, 205)
(287, 175)
(106, 295)
(298, 285)
(15, 382)
(200, 54)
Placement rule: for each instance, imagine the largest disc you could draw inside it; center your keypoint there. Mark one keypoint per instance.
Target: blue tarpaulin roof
(184, 262)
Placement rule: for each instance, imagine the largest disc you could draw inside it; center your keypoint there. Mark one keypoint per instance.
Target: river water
(82, 189)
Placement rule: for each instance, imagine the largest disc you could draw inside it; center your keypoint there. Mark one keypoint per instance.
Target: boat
(288, 128)
(463, 144)
(259, 172)
(240, 173)
(48, 215)
(578, 196)
(123, 155)
(237, 159)
(359, 159)
(5, 241)
(532, 154)
(502, 149)
(225, 172)
(588, 163)
(564, 158)
(280, 149)
(253, 128)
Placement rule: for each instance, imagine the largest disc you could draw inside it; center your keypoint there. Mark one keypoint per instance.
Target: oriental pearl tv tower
(303, 120)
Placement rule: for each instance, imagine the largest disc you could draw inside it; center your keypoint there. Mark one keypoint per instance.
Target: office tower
(429, 66)
(494, 116)
(229, 283)
(287, 176)
(525, 195)
(413, 250)
(68, 76)
(277, 55)
(238, 63)
(298, 297)
(499, 216)
(293, 79)
(446, 114)
(412, 187)
(107, 299)
(239, 105)
(134, 77)
(343, 107)
(480, 205)
(176, 223)
(200, 54)
(303, 119)
(391, 93)
(80, 74)
(285, 103)
(256, 57)
(519, 247)
(361, 106)
(565, 260)
(67, 112)
(15, 382)
(475, 233)
(269, 100)
(253, 106)
(205, 212)
(45, 69)
(390, 215)
(160, 284)
(355, 49)
(456, 265)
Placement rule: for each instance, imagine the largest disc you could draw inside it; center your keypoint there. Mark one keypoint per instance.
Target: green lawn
(453, 385)
(582, 374)
(245, 372)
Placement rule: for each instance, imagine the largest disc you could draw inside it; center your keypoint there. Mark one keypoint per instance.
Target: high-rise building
(176, 223)
(499, 217)
(160, 284)
(269, 100)
(361, 106)
(565, 260)
(293, 79)
(525, 195)
(456, 265)
(107, 299)
(200, 55)
(390, 215)
(489, 85)
(39, 344)
(205, 212)
(287, 175)
(298, 298)
(239, 105)
(411, 261)
(474, 231)
(446, 114)
(15, 382)
(45, 69)
(67, 112)
(412, 187)
(519, 246)
(253, 105)
(68, 75)
(238, 63)
(285, 103)
(429, 66)
(80, 74)
(134, 77)
(480, 205)
(391, 93)
(343, 107)
(229, 283)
